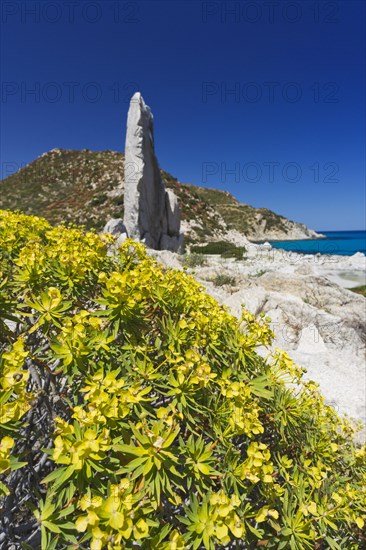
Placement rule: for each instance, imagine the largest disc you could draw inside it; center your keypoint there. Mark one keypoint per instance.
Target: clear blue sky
(263, 98)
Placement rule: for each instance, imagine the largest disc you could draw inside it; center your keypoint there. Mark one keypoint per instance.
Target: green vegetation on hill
(86, 187)
(241, 217)
(136, 413)
(70, 186)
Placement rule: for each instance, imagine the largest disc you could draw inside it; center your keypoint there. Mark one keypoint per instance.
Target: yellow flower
(63, 427)
(203, 375)
(235, 525)
(55, 296)
(176, 541)
(360, 522)
(83, 522)
(93, 502)
(140, 530)
(221, 531)
(6, 444)
(98, 539)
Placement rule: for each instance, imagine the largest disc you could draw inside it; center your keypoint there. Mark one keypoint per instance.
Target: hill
(86, 187)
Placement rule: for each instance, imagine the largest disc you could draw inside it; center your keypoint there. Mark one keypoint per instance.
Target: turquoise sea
(344, 243)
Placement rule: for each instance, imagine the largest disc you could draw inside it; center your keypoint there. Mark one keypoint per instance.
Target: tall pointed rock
(152, 214)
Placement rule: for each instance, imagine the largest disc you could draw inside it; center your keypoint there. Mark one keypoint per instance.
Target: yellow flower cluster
(283, 368)
(13, 381)
(16, 228)
(168, 414)
(111, 521)
(191, 368)
(108, 397)
(225, 518)
(243, 410)
(258, 465)
(215, 519)
(68, 254)
(76, 447)
(31, 261)
(15, 401)
(76, 252)
(316, 472)
(6, 445)
(79, 334)
(235, 390)
(245, 420)
(257, 330)
(126, 288)
(176, 542)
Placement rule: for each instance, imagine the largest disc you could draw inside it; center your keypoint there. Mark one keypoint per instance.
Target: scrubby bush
(222, 279)
(237, 253)
(193, 260)
(360, 290)
(135, 412)
(259, 273)
(223, 248)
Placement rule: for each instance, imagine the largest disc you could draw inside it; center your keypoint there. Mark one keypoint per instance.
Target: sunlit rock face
(152, 214)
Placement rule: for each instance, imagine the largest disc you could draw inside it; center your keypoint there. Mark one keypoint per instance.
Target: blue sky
(263, 99)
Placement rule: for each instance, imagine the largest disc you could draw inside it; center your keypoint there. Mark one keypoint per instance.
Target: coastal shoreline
(338, 243)
(320, 237)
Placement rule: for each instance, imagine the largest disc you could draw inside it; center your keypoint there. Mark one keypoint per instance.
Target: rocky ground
(314, 315)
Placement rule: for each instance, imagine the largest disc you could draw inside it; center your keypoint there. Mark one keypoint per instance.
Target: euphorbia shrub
(135, 411)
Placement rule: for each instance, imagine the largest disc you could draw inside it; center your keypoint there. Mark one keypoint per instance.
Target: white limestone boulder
(115, 226)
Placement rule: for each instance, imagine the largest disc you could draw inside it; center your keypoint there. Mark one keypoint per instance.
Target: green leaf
(4, 489)
(44, 538)
(68, 526)
(51, 526)
(130, 449)
(136, 462)
(171, 438)
(66, 511)
(54, 475)
(15, 465)
(258, 386)
(47, 509)
(64, 476)
(332, 544)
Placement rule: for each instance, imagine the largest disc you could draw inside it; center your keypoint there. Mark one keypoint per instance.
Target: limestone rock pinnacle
(152, 213)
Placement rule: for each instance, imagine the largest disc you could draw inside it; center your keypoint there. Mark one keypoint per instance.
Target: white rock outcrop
(172, 209)
(115, 226)
(152, 214)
